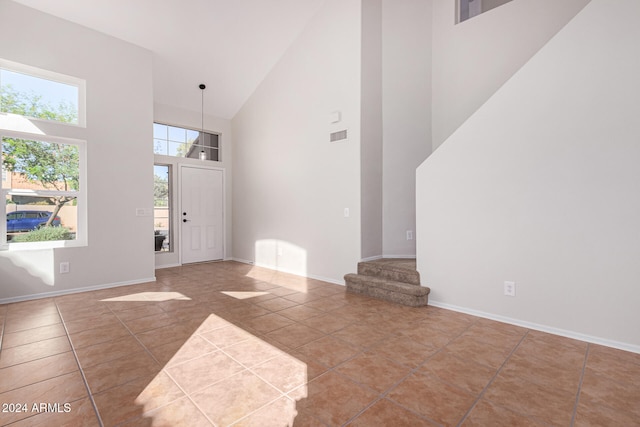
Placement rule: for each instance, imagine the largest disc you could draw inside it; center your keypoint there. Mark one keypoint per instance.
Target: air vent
(338, 136)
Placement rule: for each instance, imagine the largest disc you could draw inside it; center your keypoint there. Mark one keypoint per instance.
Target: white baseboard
(75, 290)
(542, 328)
(243, 261)
(160, 267)
(371, 258)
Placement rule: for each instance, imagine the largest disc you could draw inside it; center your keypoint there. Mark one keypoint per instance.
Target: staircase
(394, 280)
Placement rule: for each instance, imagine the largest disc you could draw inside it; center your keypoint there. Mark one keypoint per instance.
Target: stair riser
(400, 293)
(410, 277)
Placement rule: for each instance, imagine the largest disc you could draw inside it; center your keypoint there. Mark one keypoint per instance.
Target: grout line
(84, 378)
(584, 369)
(492, 379)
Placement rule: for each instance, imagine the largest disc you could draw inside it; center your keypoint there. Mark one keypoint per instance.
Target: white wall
(175, 116)
(474, 58)
(406, 115)
(371, 130)
(540, 187)
(290, 185)
(119, 154)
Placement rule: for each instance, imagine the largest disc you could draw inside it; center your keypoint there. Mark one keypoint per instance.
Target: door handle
(185, 220)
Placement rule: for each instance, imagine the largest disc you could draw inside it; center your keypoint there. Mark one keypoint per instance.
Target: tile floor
(228, 344)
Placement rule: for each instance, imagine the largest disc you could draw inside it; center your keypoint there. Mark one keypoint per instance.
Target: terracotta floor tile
(227, 336)
(432, 398)
(546, 404)
(252, 352)
(34, 351)
(131, 400)
(280, 413)
(107, 351)
(323, 304)
(589, 414)
(360, 335)
(486, 413)
(164, 335)
(552, 351)
(334, 399)
(502, 327)
(181, 413)
(138, 312)
(284, 372)
(119, 371)
(35, 308)
(190, 349)
(620, 368)
(423, 333)
(303, 297)
(203, 371)
(32, 335)
(155, 321)
(212, 322)
(35, 371)
(66, 388)
(604, 391)
(165, 352)
(23, 323)
(269, 323)
(403, 350)
(101, 320)
(277, 304)
(466, 374)
(300, 312)
(479, 350)
(329, 351)
(312, 357)
(295, 335)
(543, 372)
(231, 399)
(99, 335)
(327, 323)
(387, 413)
(375, 372)
(81, 414)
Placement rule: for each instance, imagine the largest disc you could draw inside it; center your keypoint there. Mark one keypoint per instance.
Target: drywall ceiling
(230, 45)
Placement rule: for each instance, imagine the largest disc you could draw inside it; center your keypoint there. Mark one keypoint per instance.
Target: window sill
(25, 246)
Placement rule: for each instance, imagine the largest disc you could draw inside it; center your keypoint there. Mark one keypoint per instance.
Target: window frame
(80, 195)
(218, 136)
(55, 77)
(170, 212)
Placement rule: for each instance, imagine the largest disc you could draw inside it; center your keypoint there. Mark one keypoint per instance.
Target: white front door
(201, 214)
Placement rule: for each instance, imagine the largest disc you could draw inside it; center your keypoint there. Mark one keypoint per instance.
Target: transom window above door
(182, 142)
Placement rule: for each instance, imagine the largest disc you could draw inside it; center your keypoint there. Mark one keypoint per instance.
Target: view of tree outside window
(41, 178)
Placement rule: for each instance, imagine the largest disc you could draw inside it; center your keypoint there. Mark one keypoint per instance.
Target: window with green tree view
(41, 174)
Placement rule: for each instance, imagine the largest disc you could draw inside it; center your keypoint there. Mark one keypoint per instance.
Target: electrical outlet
(64, 267)
(409, 235)
(510, 289)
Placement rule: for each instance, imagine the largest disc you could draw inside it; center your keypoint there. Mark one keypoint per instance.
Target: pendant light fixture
(203, 154)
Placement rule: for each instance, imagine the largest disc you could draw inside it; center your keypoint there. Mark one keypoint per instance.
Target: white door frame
(224, 201)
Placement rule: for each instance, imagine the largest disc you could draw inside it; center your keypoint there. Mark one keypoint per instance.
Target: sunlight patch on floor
(231, 375)
(244, 295)
(150, 296)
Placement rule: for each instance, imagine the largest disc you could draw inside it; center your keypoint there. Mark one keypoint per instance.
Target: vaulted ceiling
(230, 45)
